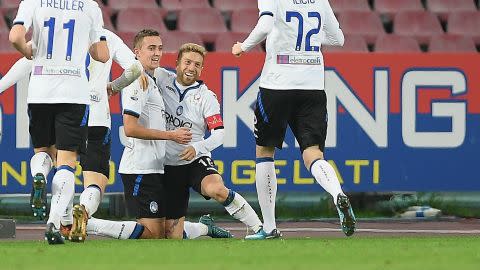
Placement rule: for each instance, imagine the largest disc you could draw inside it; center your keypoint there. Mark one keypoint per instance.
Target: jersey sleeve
(211, 111)
(134, 99)
(266, 7)
(19, 70)
(333, 33)
(121, 53)
(97, 31)
(25, 13)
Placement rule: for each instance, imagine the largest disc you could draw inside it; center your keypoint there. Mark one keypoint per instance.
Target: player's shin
(63, 188)
(90, 198)
(115, 229)
(239, 208)
(266, 183)
(325, 175)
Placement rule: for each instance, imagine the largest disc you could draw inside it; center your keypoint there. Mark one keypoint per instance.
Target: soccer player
(142, 163)
(292, 93)
(58, 94)
(189, 103)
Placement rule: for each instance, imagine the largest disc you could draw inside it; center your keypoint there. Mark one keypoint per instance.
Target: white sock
(90, 198)
(239, 208)
(195, 230)
(42, 163)
(266, 181)
(325, 175)
(67, 218)
(114, 229)
(63, 189)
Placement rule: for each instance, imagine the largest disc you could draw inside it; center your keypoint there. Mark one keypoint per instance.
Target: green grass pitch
(356, 253)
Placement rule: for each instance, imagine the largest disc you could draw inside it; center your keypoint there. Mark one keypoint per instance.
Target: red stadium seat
(107, 21)
(207, 22)
(353, 43)
(349, 5)
(443, 7)
(225, 41)
(10, 3)
(195, 4)
(230, 5)
(127, 38)
(465, 23)
(125, 4)
(5, 45)
(390, 7)
(452, 44)
(172, 40)
(3, 27)
(363, 23)
(421, 25)
(244, 20)
(171, 5)
(135, 19)
(395, 43)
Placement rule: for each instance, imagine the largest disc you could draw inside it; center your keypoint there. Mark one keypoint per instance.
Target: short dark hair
(191, 47)
(137, 41)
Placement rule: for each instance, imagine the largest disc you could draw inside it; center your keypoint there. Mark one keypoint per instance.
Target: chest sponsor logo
(58, 71)
(175, 122)
(299, 60)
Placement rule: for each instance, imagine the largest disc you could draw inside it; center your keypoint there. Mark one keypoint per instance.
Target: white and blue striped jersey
(293, 57)
(63, 31)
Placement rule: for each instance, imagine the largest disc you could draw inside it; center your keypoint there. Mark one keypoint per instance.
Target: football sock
(194, 230)
(239, 208)
(325, 175)
(90, 198)
(115, 229)
(63, 189)
(266, 181)
(42, 163)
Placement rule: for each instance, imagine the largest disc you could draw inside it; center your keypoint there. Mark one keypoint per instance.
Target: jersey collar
(182, 96)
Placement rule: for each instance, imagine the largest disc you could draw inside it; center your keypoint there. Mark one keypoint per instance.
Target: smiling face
(148, 50)
(189, 68)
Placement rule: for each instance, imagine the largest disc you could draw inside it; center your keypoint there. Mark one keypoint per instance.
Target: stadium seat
(390, 7)
(244, 20)
(443, 7)
(363, 23)
(125, 4)
(207, 22)
(9, 3)
(3, 26)
(349, 5)
(395, 43)
(127, 38)
(353, 43)
(225, 41)
(421, 25)
(171, 5)
(172, 40)
(230, 5)
(452, 44)
(107, 20)
(135, 19)
(195, 3)
(5, 46)
(465, 23)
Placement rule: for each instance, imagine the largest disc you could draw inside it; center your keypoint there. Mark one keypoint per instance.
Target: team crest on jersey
(197, 97)
(153, 207)
(179, 110)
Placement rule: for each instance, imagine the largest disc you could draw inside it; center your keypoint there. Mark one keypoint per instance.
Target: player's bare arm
(18, 40)
(99, 51)
(134, 129)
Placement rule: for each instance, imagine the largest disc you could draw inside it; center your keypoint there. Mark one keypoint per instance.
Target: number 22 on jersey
(69, 26)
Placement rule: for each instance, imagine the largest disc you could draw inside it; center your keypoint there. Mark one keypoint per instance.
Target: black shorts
(62, 125)
(144, 195)
(97, 156)
(305, 111)
(179, 180)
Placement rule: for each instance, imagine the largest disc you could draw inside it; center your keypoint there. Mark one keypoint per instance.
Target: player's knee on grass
(174, 228)
(154, 228)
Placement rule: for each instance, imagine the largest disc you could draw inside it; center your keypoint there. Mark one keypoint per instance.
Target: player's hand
(110, 91)
(181, 135)
(237, 49)
(188, 154)
(28, 51)
(143, 80)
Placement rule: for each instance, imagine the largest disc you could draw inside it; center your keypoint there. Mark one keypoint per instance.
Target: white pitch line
(368, 230)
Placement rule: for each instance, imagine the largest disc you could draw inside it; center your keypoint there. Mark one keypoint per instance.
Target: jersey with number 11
(63, 31)
(293, 58)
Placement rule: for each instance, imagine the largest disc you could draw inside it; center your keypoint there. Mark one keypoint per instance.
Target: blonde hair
(191, 47)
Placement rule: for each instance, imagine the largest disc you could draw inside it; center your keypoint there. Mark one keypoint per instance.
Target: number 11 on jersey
(70, 26)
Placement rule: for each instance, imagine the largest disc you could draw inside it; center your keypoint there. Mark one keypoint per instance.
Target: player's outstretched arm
(19, 70)
(17, 38)
(133, 129)
(259, 33)
(128, 76)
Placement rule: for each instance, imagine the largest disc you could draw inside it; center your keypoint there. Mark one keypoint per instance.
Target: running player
(189, 103)
(292, 93)
(58, 95)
